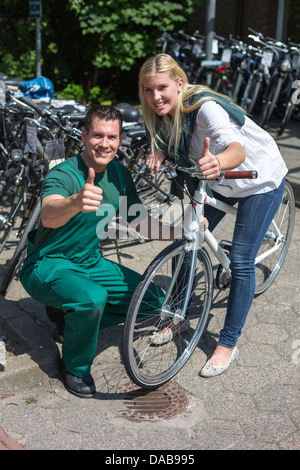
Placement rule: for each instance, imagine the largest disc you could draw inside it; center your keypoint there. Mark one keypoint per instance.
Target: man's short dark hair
(104, 113)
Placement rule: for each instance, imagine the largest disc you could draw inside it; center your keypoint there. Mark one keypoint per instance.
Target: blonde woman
(191, 123)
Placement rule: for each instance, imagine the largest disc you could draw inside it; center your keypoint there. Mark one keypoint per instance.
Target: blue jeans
(254, 216)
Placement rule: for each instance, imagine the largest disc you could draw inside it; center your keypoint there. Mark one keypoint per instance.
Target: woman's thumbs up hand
(209, 164)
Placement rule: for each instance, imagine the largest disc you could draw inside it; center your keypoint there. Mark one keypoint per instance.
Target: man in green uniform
(64, 268)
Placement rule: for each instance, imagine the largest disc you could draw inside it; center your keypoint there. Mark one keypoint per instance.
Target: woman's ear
(180, 84)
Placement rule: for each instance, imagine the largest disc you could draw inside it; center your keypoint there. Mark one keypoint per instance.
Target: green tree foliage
(17, 36)
(89, 43)
(126, 30)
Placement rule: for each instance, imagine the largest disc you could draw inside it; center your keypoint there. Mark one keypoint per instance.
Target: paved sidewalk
(254, 405)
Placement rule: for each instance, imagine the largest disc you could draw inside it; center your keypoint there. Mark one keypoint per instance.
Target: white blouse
(262, 153)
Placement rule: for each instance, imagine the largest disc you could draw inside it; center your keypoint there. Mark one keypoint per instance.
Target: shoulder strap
(80, 179)
(120, 176)
(117, 168)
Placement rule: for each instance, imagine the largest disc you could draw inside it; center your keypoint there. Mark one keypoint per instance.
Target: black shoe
(82, 387)
(56, 315)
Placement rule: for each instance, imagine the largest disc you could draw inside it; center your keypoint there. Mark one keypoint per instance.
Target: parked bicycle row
(33, 138)
(262, 76)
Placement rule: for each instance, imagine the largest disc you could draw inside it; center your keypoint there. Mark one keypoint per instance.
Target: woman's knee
(242, 264)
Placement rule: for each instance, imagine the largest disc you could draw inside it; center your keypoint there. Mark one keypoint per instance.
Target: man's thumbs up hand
(91, 176)
(90, 196)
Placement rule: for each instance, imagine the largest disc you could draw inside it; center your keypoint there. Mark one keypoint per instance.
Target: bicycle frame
(199, 200)
(195, 233)
(219, 252)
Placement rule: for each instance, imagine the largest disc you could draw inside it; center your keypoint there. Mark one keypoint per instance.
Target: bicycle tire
(270, 103)
(151, 366)
(20, 252)
(252, 94)
(237, 86)
(267, 269)
(154, 191)
(10, 210)
(275, 98)
(213, 80)
(287, 116)
(153, 188)
(296, 113)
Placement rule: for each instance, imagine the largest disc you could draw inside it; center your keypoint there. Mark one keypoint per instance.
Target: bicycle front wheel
(159, 302)
(275, 245)
(270, 103)
(251, 94)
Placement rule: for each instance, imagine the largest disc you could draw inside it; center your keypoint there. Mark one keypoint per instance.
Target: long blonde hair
(162, 63)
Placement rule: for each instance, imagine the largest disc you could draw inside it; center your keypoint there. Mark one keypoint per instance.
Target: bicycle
(177, 286)
(27, 171)
(188, 51)
(290, 106)
(279, 82)
(21, 183)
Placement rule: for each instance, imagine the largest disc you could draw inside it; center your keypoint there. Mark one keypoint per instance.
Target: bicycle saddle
(129, 113)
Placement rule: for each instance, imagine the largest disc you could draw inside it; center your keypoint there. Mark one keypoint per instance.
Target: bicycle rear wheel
(16, 261)
(287, 116)
(275, 245)
(271, 100)
(251, 94)
(158, 301)
(12, 207)
(153, 188)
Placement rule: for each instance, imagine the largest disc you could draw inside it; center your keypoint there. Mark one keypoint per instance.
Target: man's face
(101, 143)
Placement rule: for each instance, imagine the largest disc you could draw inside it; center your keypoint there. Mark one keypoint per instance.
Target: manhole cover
(153, 405)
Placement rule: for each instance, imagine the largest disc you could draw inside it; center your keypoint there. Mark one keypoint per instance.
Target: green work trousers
(89, 295)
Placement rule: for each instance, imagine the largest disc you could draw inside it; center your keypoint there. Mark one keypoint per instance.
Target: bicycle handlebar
(44, 112)
(171, 169)
(232, 175)
(39, 109)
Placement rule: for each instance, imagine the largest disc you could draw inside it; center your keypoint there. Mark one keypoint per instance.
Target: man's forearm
(57, 210)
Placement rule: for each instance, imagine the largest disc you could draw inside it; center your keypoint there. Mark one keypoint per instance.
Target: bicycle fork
(194, 233)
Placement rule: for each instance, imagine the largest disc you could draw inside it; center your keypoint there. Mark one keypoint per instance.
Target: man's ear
(83, 135)
(121, 139)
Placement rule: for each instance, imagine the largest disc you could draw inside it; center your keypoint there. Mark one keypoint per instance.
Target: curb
(7, 442)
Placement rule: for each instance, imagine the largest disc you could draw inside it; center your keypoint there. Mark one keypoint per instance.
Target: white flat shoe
(210, 370)
(159, 338)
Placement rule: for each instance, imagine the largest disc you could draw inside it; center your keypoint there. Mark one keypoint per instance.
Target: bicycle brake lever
(193, 172)
(219, 182)
(170, 170)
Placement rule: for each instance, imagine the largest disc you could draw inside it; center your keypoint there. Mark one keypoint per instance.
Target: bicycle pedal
(223, 279)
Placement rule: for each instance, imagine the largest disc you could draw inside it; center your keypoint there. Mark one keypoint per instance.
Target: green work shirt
(78, 240)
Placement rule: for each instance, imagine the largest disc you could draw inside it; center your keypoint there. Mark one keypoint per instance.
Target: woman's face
(161, 93)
